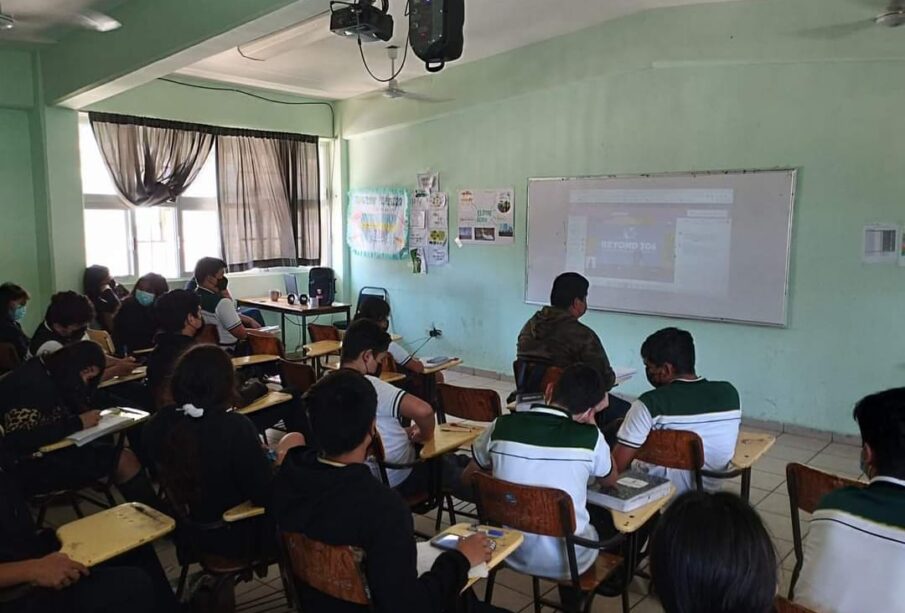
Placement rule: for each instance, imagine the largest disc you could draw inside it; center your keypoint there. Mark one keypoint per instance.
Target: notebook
(428, 554)
(633, 489)
(108, 423)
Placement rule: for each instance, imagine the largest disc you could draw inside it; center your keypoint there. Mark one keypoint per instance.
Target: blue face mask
(144, 298)
(18, 313)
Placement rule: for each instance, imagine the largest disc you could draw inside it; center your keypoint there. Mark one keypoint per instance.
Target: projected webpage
(669, 240)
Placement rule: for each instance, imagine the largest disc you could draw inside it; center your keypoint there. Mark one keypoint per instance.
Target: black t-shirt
(11, 332)
(18, 538)
(134, 326)
(167, 349)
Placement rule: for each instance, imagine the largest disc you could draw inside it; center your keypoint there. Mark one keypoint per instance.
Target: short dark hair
(566, 288)
(711, 552)
(10, 292)
(373, 308)
(69, 308)
(174, 307)
(341, 409)
(73, 359)
(363, 335)
(92, 279)
(204, 377)
(208, 267)
(156, 283)
(881, 418)
(672, 346)
(579, 388)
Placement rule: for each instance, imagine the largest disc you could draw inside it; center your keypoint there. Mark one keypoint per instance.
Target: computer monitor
(292, 284)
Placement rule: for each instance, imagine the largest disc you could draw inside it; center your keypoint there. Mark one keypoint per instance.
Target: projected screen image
(622, 246)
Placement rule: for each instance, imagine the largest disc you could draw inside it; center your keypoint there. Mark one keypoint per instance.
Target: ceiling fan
(892, 15)
(87, 19)
(393, 91)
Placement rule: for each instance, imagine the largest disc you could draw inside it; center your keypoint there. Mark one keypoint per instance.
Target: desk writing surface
(253, 360)
(505, 545)
(302, 309)
(138, 373)
(242, 511)
(136, 415)
(322, 348)
(112, 532)
(449, 437)
(750, 447)
(627, 523)
(430, 370)
(271, 399)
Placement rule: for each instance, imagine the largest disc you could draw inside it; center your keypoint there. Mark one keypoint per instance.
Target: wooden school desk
(137, 374)
(271, 399)
(241, 511)
(304, 311)
(112, 532)
(505, 545)
(430, 379)
(254, 360)
(135, 415)
(449, 437)
(749, 448)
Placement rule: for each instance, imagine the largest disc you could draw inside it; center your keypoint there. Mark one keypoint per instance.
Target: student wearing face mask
(135, 323)
(217, 306)
(49, 398)
(66, 322)
(13, 301)
(104, 293)
(179, 316)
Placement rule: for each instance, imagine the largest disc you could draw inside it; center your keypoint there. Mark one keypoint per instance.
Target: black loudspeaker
(290, 298)
(435, 31)
(322, 283)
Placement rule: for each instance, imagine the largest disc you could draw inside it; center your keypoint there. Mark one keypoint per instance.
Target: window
(167, 239)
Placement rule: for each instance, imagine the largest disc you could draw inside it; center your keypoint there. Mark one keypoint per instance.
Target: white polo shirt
(397, 447)
(708, 408)
(400, 355)
(545, 447)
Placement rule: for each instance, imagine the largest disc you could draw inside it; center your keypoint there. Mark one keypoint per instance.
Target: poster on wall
(429, 232)
(378, 223)
(486, 217)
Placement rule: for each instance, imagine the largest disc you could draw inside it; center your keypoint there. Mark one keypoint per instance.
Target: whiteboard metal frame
(785, 305)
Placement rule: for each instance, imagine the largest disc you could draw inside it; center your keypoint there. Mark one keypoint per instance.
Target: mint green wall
(698, 88)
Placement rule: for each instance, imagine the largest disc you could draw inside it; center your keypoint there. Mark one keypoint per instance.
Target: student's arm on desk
(392, 567)
(26, 430)
(118, 367)
(421, 413)
(55, 571)
(632, 435)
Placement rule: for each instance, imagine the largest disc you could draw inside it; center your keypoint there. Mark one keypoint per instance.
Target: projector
(364, 21)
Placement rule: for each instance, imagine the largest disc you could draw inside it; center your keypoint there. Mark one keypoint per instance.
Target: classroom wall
(731, 86)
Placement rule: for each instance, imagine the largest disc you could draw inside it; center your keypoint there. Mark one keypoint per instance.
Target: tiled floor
(513, 591)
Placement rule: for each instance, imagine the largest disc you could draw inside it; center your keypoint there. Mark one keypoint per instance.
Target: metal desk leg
(304, 329)
(746, 485)
(283, 327)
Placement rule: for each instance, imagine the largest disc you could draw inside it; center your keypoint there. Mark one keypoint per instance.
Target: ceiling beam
(158, 37)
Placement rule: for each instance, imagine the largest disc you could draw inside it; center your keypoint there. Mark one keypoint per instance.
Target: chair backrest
(784, 606)
(297, 375)
(334, 570)
(319, 332)
(533, 376)
(208, 335)
(102, 338)
(9, 357)
(808, 485)
(539, 510)
(469, 403)
(680, 449)
(264, 344)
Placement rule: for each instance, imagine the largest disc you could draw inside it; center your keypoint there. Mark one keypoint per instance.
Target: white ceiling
(318, 63)
(46, 21)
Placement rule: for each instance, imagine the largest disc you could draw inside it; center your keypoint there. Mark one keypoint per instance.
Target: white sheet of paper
(418, 218)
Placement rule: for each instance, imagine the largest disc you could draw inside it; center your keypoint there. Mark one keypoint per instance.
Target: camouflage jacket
(554, 335)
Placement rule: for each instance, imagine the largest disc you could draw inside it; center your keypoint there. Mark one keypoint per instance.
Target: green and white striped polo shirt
(854, 557)
(709, 408)
(545, 447)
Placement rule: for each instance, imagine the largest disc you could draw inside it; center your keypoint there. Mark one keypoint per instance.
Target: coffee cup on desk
(275, 295)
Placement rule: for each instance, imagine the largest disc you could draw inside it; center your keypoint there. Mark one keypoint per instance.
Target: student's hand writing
(249, 322)
(90, 419)
(121, 367)
(477, 548)
(56, 571)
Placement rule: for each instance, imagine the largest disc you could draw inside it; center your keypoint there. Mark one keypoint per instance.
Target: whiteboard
(703, 245)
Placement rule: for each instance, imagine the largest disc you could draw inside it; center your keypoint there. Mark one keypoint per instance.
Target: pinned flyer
(486, 217)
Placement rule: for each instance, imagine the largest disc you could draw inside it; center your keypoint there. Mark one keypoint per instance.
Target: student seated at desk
(365, 346)
(135, 324)
(711, 552)
(378, 310)
(555, 336)
(210, 458)
(179, 317)
(38, 579)
(13, 301)
(217, 306)
(558, 445)
(66, 322)
(329, 495)
(854, 554)
(104, 293)
(680, 400)
(47, 399)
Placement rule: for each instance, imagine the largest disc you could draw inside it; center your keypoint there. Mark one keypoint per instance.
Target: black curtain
(151, 161)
